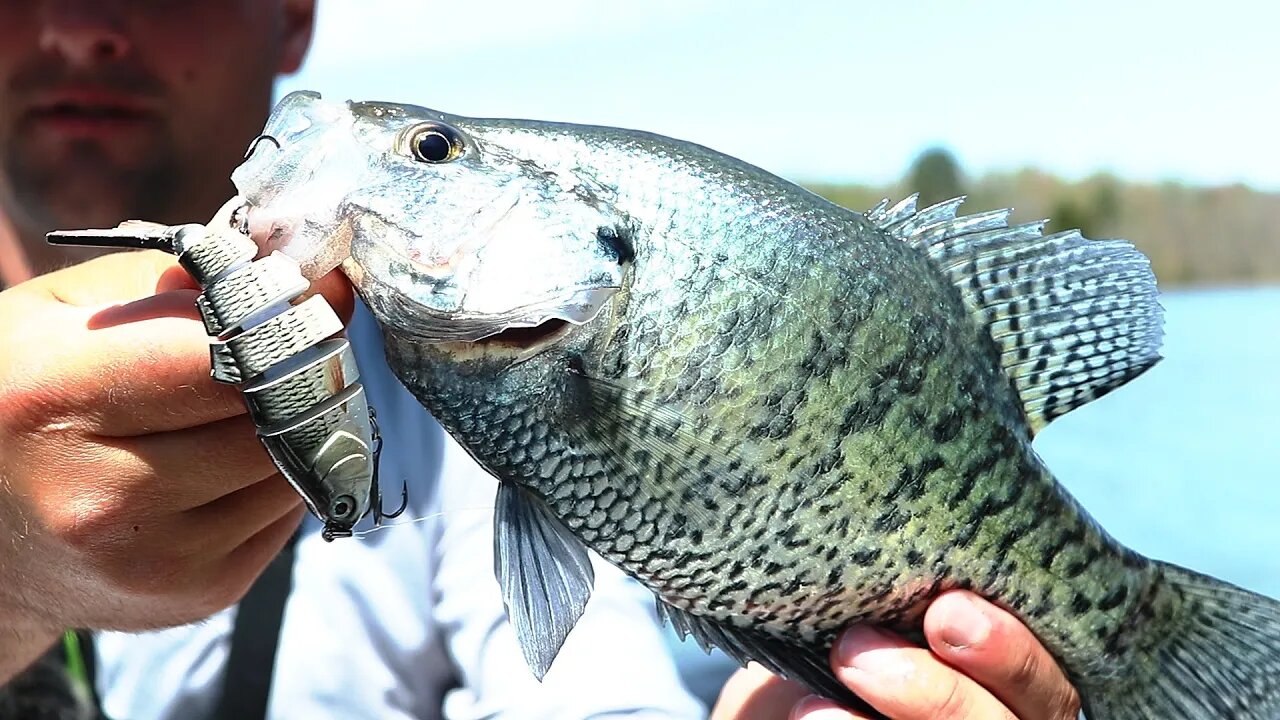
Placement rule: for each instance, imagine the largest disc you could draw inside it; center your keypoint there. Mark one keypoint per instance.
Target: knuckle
(91, 520)
(1064, 702)
(148, 576)
(1027, 670)
(952, 702)
(26, 407)
(83, 529)
(220, 595)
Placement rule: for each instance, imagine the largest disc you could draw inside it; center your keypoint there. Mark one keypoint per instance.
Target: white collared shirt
(408, 622)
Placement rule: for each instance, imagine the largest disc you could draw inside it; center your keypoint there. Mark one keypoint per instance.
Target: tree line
(1228, 235)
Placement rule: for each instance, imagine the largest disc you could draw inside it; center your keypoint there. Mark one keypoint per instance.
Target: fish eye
(436, 143)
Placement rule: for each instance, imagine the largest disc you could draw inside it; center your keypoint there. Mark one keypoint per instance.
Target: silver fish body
(781, 416)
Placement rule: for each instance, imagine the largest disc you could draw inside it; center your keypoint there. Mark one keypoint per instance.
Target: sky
(845, 91)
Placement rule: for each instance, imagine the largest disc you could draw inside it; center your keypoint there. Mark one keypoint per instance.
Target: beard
(82, 186)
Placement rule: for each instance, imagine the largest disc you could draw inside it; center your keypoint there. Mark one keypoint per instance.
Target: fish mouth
(544, 332)
(513, 345)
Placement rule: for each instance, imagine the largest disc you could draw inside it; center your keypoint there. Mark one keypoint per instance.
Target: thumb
(126, 276)
(337, 289)
(118, 277)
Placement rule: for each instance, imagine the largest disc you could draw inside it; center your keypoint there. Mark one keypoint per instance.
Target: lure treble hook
(254, 145)
(375, 489)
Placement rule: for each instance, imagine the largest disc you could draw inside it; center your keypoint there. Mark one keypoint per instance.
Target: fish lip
(508, 352)
(396, 312)
(445, 327)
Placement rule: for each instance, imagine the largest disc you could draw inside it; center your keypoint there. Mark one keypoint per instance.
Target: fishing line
(415, 521)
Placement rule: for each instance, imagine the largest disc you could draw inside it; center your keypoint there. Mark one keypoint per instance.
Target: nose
(84, 32)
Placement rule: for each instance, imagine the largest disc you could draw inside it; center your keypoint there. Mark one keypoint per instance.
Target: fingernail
(818, 708)
(869, 650)
(964, 624)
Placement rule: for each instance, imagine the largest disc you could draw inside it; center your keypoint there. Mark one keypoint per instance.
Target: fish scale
(781, 416)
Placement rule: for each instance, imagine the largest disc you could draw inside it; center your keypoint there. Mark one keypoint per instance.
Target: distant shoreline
(1196, 236)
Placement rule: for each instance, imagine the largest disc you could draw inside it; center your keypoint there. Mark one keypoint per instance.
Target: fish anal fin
(808, 665)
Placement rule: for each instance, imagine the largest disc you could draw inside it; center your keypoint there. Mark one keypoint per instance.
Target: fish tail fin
(1218, 658)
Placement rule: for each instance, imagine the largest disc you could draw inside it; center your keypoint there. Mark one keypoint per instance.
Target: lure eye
(342, 508)
(436, 143)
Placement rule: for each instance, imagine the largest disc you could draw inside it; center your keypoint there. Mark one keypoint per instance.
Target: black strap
(89, 656)
(255, 637)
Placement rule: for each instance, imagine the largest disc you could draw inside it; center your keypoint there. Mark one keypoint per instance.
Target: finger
(117, 277)
(187, 468)
(909, 683)
(243, 565)
(814, 707)
(754, 692)
(995, 649)
(337, 290)
(155, 372)
(133, 375)
(222, 577)
(161, 547)
(250, 510)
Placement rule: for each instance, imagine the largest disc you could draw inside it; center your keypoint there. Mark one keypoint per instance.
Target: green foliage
(1193, 235)
(935, 174)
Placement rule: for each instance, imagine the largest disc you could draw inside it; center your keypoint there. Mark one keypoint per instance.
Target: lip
(89, 112)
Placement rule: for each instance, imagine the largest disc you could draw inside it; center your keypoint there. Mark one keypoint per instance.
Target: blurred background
(1141, 120)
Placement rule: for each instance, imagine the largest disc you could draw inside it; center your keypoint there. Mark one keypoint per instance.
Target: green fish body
(781, 416)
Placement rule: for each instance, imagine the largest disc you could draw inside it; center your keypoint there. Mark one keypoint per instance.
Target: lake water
(1181, 464)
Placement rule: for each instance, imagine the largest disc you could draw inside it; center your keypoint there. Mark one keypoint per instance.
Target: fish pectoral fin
(1072, 318)
(803, 664)
(544, 572)
(620, 420)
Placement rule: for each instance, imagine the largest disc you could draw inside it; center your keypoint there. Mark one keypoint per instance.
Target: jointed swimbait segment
(298, 374)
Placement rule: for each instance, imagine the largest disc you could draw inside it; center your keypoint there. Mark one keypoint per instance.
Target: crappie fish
(781, 416)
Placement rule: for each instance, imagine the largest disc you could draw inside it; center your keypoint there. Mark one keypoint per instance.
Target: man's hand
(982, 664)
(134, 492)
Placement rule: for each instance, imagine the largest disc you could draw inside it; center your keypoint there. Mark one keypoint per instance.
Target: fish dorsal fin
(545, 575)
(1072, 318)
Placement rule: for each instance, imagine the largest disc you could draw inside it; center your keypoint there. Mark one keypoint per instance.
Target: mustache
(46, 75)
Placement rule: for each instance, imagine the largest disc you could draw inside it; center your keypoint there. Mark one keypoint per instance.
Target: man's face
(117, 109)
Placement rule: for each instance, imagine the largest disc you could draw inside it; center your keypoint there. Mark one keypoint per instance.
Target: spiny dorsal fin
(1072, 318)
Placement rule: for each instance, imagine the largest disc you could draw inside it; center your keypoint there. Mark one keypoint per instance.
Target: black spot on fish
(1075, 568)
(1080, 604)
(798, 542)
(828, 461)
(948, 426)
(890, 521)
(765, 590)
(865, 556)
(910, 483)
(1043, 606)
(967, 532)
(834, 577)
(865, 413)
(1112, 600)
(616, 243)
(914, 557)
(1007, 541)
